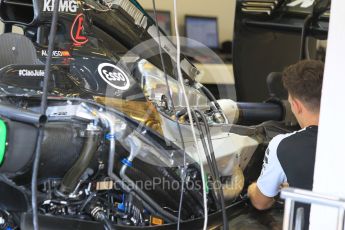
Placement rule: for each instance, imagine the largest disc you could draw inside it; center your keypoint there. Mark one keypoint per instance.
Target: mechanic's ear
(299, 106)
(296, 105)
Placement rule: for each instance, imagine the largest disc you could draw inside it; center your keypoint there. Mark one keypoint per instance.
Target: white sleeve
(272, 174)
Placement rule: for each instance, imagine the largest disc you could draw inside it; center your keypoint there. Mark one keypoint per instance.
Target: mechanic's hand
(284, 185)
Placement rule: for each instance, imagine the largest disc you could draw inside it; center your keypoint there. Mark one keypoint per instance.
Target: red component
(77, 30)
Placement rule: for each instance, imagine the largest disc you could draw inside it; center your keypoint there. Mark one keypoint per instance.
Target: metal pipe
(308, 197)
(288, 214)
(22, 115)
(340, 221)
(292, 195)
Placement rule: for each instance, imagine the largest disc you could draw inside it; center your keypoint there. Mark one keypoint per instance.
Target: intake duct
(61, 147)
(246, 113)
(17, 12)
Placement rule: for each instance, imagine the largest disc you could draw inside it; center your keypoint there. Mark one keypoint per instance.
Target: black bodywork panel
(268, 42)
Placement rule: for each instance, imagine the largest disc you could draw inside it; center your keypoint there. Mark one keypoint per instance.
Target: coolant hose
(72, 177)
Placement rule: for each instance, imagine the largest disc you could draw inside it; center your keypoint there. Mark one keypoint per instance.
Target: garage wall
(223, 9)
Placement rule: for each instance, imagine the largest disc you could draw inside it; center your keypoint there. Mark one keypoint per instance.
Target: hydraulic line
(217, 178)
(43, 108)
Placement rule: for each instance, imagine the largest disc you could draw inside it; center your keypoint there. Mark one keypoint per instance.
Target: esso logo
(113, 76)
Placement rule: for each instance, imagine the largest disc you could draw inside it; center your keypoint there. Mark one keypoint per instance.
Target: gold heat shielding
(142, 111)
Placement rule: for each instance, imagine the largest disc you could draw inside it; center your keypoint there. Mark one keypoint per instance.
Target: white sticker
(113, 76)
(68, 6)
(31, 73)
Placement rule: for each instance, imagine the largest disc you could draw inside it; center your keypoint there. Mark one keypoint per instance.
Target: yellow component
(154, 220)
(142, 111)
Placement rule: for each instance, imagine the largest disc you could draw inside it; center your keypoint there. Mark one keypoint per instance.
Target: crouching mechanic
(290, 158)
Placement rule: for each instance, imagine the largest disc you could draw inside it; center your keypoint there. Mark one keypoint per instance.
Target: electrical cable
(207, 153)
(178, 62)
(217, 178)
(183, 176)
(43, 112)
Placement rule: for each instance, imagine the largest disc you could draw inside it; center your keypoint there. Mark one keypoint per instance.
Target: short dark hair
(303, 81)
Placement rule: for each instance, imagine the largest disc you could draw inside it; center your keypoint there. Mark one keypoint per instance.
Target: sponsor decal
(113, 76)
(31, 73)
(56, 53)
(301, 3)
(77, 30)
(68, 6)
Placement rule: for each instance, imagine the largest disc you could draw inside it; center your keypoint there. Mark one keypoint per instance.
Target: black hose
(22, 115)
(34, 177)
(207, 153)
(72, 177)
(47, 74)
(222, 201)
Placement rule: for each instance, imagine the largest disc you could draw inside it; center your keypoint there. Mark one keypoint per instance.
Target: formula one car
(116, 144)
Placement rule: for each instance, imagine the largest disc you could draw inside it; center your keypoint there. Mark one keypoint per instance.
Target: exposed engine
(111, 153)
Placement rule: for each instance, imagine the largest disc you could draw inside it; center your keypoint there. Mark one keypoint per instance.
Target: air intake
(17, 11)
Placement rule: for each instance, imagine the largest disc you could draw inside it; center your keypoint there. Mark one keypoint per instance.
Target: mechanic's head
(303, 82)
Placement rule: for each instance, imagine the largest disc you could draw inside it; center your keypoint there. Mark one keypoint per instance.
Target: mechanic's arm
(262, 193)
(259, 200)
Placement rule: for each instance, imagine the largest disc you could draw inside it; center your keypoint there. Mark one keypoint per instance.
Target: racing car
(115, 138)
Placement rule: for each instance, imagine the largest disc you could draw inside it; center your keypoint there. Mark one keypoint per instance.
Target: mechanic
(289, 159)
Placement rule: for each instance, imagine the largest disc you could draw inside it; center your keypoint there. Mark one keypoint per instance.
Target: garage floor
(252, 219)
